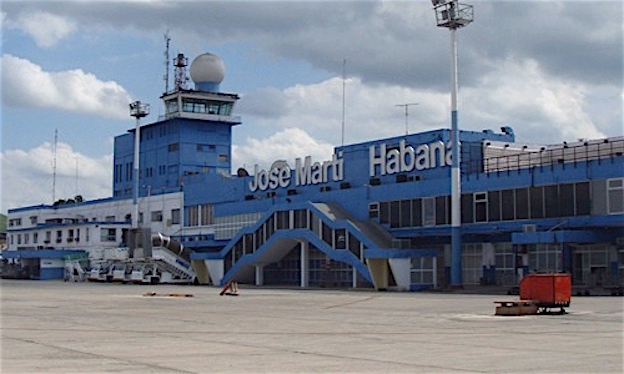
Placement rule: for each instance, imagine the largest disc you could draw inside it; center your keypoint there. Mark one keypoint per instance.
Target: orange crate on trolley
(547, 290)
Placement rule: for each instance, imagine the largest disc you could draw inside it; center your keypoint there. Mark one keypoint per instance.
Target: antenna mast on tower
(344, 65)
(166, 78)
(54, 166)
(180, 64)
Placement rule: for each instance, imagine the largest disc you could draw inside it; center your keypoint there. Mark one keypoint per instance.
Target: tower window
(172, 106)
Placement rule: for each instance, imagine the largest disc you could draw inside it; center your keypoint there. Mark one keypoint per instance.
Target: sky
(552, 70)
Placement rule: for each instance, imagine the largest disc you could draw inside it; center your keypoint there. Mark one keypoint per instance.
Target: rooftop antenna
(54, 165)
(166, 77)
(406, 106)
(76, 194)
(344, 64)
(180, 64)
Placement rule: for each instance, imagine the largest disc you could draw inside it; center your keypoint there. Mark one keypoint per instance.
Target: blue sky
(74, 65)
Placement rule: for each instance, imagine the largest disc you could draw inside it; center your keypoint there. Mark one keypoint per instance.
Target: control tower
(205, 101)
(194, 136)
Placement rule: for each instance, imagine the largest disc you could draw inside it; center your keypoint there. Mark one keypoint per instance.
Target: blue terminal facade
(377, 214)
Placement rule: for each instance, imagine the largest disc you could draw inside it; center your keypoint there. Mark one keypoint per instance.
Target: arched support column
(259, 275)
(201, 271)
(401, 270)
(305, 279)
(378, 268)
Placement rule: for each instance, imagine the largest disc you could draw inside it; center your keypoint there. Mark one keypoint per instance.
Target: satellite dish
(242, 172)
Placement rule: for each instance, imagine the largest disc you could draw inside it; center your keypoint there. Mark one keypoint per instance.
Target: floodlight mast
(453, 15)
(138, 110)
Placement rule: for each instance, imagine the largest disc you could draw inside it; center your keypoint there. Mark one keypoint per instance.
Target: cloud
(539, 106)
(27, 175)
(26, 84)
(287, 145)
(370, 111)
(45, 28)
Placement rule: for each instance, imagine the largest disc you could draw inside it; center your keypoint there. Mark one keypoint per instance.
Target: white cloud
(541, 108)
(370, 113)
(25, 83)
(27, 176)
(45, 28)
(287, 145)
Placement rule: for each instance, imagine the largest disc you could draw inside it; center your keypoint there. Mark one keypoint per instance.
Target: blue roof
(41, 253)
(399, 253)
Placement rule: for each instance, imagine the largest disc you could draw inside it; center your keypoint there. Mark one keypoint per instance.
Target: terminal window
(615, 195)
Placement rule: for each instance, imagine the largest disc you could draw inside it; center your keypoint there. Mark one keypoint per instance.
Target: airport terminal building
(373, 215)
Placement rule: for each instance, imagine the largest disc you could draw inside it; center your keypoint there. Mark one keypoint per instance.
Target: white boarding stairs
(180, 269)
(74, 272)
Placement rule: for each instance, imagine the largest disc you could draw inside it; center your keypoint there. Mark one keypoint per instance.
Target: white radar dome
(207, 68)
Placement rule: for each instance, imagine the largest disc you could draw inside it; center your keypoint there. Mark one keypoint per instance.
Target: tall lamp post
(453, 15)
(138, 110)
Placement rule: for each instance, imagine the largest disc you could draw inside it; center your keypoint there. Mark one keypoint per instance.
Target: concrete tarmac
(58, 327)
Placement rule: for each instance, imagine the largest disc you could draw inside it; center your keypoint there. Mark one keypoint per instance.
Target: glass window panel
(615, 195)
(373, 210)
(537, 202)
(598, 258)
(551, 199)
(416, 277)
(522, 203)
(406, 213)
(494, 206)
(384, 212)
(416, 212)
(175, 216)
(440, 202)
(480, 206)
(282, 220)
(616, 201)
(354, 245)
(259, 237)
(428, 211)
(466, 208)
(327, 234)
(300, 217)
(508, 204)
(427, 277)
(566, 199)
(615, 183)
(395, 214)
(340, 238)
(582, 198)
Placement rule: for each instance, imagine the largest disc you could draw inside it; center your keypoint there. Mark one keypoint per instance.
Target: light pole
(138, 111)
(406, 106)
(453, 15)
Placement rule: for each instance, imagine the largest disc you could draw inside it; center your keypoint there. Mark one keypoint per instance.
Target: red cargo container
(547, 290)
